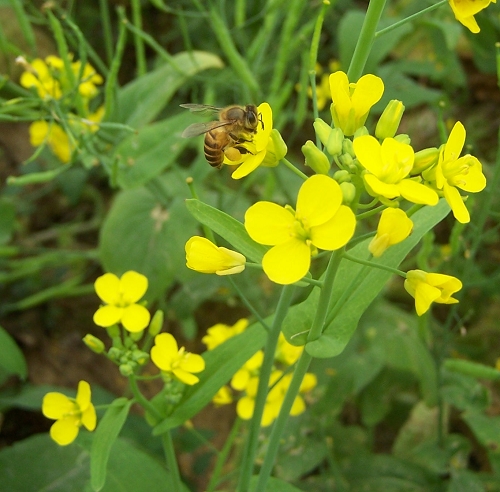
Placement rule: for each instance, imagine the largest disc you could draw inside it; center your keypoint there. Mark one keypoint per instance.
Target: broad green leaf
(105, 436)
(149, 152)
(274, 485)
(465, 481)
(141, 100)
(230, 229)
(486, 428)
(11, 358)
(140, 234)
(221, 363)
(464, 392)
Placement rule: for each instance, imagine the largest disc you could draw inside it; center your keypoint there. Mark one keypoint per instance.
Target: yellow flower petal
(245, 407)
(56, 405)
(133, 286)
(107, 287)
(336, 232)
(83, 395)
(268, 223)
(64, 431)
(38, 132)
(107, 316)
(368, 91)
(455, 143)
(376, 187)
(89, 418)
(456, 202)
(417, 192)
(135, 318)
(248, 165)
(192, 363)
(368, 152)
(288, 262)
(185, 377)
(164, 350)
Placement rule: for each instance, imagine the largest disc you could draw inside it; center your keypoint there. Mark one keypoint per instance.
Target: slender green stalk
(260, 399)
(370, 213)
(365, 40)
(371, 264)
(106, 29)
(300, 371)
(24, 24)
(290, 166)
(140, 52)
(409, 18)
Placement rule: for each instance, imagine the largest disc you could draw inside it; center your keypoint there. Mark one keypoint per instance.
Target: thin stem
(138, 42)
(260, 400)
(370, 213)
(106, 28)
(409, 18)
(169, 451)
(365, 40)
(369, 263)
(290, 166)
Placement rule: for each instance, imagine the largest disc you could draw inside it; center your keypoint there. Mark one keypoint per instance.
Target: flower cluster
(246, 379)
(52, 82)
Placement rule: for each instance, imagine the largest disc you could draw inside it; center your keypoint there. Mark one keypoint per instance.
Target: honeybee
(226, 136)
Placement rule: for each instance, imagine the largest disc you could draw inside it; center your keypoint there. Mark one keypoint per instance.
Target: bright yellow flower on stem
(320, 221)
(286, 353)
(465, 10)
(220, 332)
(205, 257)
(453, 171)
(265, 148)
(223, 397)
(70, 413)
(427, 288)
(54, 136)
(41, 76)
(176, 362)
(249, 370)
(352, 101)
(394, 226)
(89, 79)
(388, 167)
(121, 296)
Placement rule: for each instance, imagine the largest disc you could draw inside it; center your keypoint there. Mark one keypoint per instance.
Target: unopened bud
(139, 356)
(93, 343)
(330, 137)
(348, 192)
(342, 176)
(360, 132)
(114, 353)
(156, 323)
(315, 159)
(136, 335)
(347, 161)
(388, 123)
(126, 369)
(403, 138)
(347, 147)
(424, 159)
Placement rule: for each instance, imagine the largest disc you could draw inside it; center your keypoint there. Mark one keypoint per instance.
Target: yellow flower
(465, 10)
(205, 257)
(452, 172)
(41, 76)
(286, 353)
(89, 79)
(223, 397)
(388, 166)
(352, 101)
(55, 136)
(394, 226)
(320, 221)
(219, 333)
(121, 296)
(69, 413)
(427, 288)
(249, 370)
(265, 148)
(176, 362)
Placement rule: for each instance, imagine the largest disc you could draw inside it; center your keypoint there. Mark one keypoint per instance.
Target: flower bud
(315, 159)
(136, 336)
(362, 130)
(348, 192)
(276, 149)
(346, 160)
(156, 323)
(388, 123)
(126, 369)
(347, 147)
(113, 331)
(403, 138)
(93, 343)
(139, 356)
(114, 353)
(330, 137)
(342, 176)
(424, 159)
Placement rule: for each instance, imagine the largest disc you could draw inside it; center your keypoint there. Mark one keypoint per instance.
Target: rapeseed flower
(427, 288)
(220, 332)
(465, 10)
(452, 172)
(394, 226)
(319, 221)
(175, 362)
(69, 413)
(121, 296)
(389, 165)
(205, 257)
(352, 101)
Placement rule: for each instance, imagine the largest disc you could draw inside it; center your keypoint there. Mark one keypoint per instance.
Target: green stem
(300, 371)
(409, 18)
(260, 399)
(138, 42)
(106, 28)
(290, 166)
(370, 213)
(365, 40)
(372, 264)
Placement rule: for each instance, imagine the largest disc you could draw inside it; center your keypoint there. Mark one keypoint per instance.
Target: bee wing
(201, 108)
(200, 128)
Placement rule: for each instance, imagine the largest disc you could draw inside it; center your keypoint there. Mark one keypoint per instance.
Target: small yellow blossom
(55, 136)
(220, 332)
(205, 257)
(223, 397)
(320, 221)
(176, 362)
(121, 296)
(427, 288)
(286, 353)
(465, 10)
(40, 76)
(69, 413)
(453, 171)
(388, 167)
(247, 372)
(394, 226)
(352, 101)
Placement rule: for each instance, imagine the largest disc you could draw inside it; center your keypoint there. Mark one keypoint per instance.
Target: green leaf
(338, 333)
(485, 428)
(139, 234)
(230, 229)
(141, 100)
(274, 485)
(11, 358)
(7, 220)
(220, 365)
(105, 436)
(464, 481)
(152, 150)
